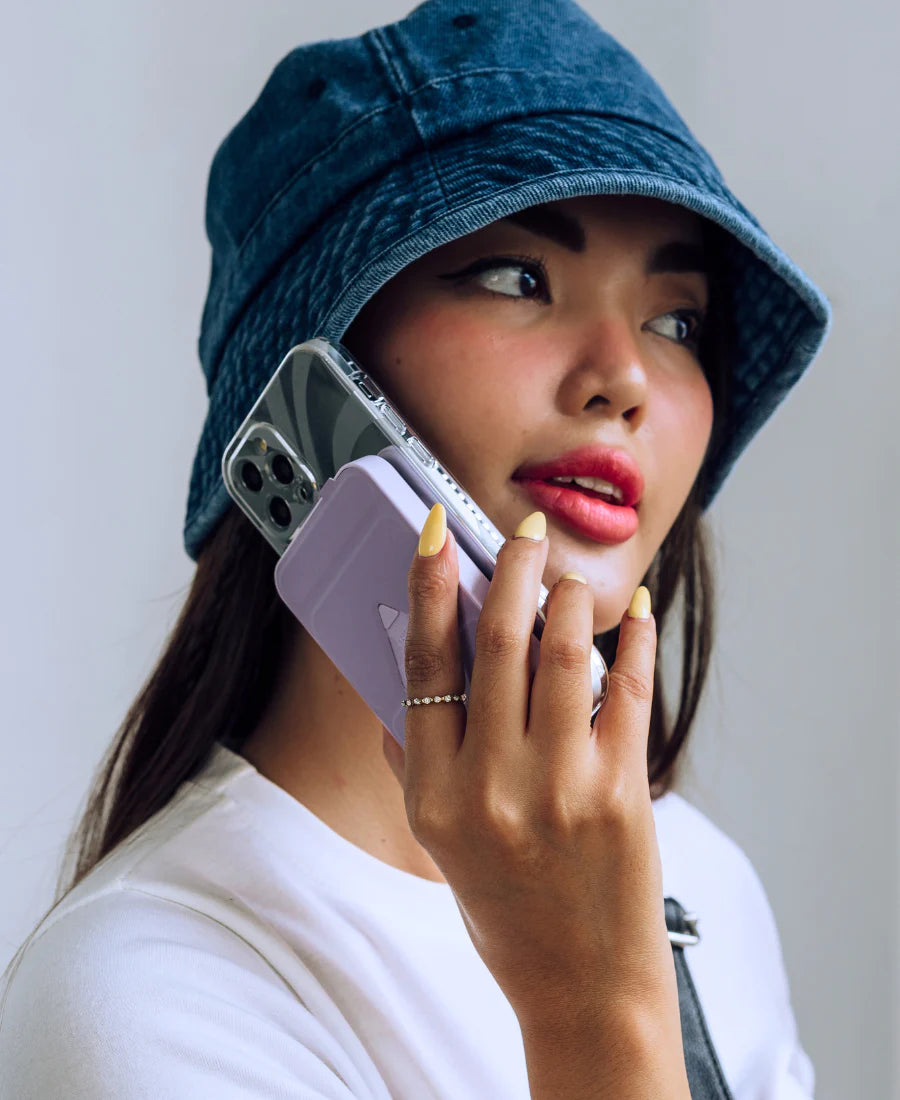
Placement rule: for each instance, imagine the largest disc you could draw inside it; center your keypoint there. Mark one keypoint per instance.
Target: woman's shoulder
(164, 972)
(193, 856)
(140, 994)
(157, 911)
(88, 944)
(130, 994)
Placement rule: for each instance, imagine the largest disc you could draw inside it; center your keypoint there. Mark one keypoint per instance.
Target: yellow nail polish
(639, 608)
(572, 575)
(532, 527)
(434, 532)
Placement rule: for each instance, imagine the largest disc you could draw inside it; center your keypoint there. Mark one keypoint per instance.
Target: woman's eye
(514, 280)
(685, 326)
(510, 276)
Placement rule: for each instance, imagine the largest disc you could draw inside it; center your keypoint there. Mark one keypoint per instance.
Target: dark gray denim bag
(704, 1072)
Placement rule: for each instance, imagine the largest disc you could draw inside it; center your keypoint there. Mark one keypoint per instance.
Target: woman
(503, 218)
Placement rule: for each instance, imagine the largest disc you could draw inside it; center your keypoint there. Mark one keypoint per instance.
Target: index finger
(433, 731)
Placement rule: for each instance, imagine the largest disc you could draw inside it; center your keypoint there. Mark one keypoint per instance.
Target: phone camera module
(282, 469)
(251, 477)
(279, 511)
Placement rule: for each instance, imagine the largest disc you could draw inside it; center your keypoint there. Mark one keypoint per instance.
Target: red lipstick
(604, 518)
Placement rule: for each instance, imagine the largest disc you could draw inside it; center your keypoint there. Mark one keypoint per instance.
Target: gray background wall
(111, 113)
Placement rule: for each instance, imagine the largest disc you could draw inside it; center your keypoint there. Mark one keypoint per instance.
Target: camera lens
(279, 511)
(251, 477)
(282, 469)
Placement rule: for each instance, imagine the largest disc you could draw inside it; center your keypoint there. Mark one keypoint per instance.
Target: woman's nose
(607, 373)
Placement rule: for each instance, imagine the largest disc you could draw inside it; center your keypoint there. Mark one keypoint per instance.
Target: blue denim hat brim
(780, 317)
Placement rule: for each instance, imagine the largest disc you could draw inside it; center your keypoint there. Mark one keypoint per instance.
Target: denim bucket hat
(363, 154)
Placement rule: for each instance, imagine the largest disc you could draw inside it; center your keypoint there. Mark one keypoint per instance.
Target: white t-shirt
(236, 947)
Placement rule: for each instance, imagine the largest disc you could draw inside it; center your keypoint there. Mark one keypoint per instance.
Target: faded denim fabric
(704, 1071)
(362, 154)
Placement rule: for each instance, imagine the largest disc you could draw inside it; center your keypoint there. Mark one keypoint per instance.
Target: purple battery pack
(345, 574)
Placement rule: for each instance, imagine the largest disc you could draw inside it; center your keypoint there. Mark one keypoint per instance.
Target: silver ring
(434, 699)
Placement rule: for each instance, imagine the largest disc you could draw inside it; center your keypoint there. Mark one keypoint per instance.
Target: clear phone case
(321, 411)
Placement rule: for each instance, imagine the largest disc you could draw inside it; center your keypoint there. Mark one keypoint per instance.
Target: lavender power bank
(344, 576)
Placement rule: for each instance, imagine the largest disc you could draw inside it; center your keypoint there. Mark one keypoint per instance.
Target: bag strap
(704, 1072)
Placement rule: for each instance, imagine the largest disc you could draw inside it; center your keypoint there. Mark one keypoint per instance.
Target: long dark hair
(220, 664)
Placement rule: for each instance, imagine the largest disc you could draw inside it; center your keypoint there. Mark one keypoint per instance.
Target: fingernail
(639, 608)
(573, 576)
(434, 532)
(532, 527)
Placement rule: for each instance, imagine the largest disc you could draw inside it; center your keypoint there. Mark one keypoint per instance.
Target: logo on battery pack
(396, 624)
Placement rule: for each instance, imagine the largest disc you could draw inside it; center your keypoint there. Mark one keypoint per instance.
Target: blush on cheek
(442, 352)
(704, 419)
(693, 434)
(431, 367)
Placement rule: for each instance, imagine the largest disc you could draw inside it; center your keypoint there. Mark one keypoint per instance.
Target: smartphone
(319, 413)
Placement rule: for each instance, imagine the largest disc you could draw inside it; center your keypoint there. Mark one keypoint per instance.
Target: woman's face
(517, 345)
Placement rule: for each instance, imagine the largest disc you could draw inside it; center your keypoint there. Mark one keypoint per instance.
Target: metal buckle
(689, 938)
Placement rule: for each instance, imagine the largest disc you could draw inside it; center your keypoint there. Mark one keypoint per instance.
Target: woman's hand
(540, 823)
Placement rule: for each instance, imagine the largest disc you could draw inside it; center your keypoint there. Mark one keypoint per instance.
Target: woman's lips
(584, 513)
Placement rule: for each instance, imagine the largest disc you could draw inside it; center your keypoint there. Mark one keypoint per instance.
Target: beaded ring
(434, 699)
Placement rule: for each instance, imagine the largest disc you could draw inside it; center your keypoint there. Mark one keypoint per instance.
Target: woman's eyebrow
(568, 232)
(678, 256)
(557, 226)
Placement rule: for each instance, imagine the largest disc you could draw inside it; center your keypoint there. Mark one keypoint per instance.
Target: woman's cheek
(703, 423)
(441, 399)
(449, 364)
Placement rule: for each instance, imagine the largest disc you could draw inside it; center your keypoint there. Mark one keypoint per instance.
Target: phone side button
(368, 387)
(419, 451)
(393, 419)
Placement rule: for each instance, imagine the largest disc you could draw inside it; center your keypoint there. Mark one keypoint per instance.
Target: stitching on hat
(493, 70)
(395, 77)
(307, 166)
(313, 161)
(563, 78)
(373, 38)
